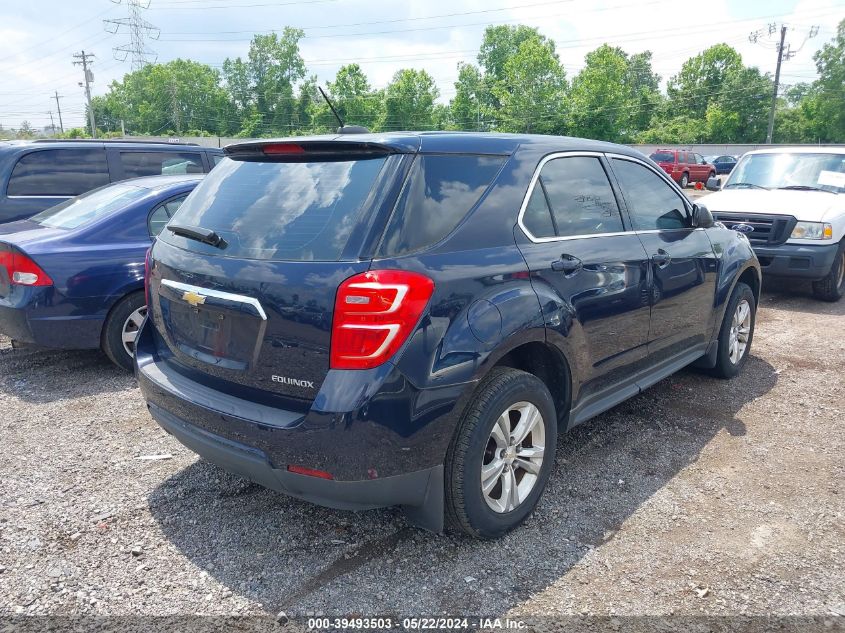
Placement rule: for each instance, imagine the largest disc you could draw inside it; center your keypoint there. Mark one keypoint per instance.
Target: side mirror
(714, 184)
(701, 217)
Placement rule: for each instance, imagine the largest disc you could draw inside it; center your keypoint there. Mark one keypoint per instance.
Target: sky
(39, 37)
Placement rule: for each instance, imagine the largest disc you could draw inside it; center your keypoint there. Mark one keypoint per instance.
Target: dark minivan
(409, 319)
(35, 175)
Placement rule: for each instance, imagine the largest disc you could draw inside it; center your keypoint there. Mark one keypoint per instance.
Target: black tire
(712, 174)
(466, 507)
(684, 180)
(832, 286)
(112, 337)
(725, 366)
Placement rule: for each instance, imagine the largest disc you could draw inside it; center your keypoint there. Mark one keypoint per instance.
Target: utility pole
(89, 77)
(59, 108)
(785, 53)
(771, 128)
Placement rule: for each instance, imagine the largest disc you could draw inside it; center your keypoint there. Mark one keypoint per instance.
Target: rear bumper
(420, 493)
(25, 316)
(791, 260)
(379, 451)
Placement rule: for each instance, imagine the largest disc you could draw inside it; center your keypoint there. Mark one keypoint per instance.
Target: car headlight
(812, 231)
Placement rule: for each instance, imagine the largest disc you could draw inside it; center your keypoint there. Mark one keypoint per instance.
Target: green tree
(531, 92)
(409, 101)
(601, 99)
(166, 98)
(470, 93)
(702, 79)
(356, 102)
(25, 130)
(264, 83)
(829, 89)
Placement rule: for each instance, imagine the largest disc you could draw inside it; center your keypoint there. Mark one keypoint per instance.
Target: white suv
(790, 203)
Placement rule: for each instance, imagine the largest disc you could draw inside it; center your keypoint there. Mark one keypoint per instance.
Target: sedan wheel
(513, 457)
(131, 327)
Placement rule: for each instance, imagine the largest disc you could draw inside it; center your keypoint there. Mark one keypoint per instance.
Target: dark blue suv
(409, 319)
(36, 175)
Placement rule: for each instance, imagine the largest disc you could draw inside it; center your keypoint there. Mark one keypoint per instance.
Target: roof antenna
(343, 129)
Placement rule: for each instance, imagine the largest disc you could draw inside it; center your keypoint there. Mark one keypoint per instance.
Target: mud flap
(430, 514)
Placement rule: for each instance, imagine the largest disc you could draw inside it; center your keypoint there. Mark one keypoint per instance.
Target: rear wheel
(832, 286)
(502, 454)
(736, 333)
(684, 180)
(121, 329)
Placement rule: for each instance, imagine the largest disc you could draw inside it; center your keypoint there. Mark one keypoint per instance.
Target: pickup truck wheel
(832, 287)
(121, 329)
(736, 332)
(502, 454)
(684, 180)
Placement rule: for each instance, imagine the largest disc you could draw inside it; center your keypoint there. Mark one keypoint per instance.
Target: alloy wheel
(740, 331)
(513, 457)
(131, 327)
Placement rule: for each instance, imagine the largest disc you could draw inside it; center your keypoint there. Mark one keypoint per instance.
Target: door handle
(568, 264)
(661, 258)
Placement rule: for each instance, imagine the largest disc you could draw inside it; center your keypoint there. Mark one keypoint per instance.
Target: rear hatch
(665, 159)
(294, 220)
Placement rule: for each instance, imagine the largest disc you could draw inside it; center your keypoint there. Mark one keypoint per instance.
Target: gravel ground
(697, 497)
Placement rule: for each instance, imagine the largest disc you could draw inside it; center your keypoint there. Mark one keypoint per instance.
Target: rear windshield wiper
(806, 188)
(744, 184)
(206, 236)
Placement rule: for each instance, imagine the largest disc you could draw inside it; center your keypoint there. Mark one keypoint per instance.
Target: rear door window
(162, 213)
(294, 211)
(138, 164)
(579, 195)
(59, 172)
(653, 203)
(439, 192)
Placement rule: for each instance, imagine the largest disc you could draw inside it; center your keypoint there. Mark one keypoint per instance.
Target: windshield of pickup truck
(810, 172)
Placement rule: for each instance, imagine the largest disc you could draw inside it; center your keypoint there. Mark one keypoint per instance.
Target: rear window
(59, 172)
(663, 157)
(438, 194)
(297, 211)
(90, 206)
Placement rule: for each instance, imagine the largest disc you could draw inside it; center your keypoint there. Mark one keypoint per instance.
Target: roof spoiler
(307, 150)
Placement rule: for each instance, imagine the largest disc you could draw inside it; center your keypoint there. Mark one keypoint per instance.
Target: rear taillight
(374, 314)
(147, 276)
(22, 270)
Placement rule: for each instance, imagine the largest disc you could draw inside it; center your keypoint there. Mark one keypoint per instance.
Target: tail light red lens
(281, 149)
(22, 270)
(374, 314)
(147, 276)
(309, 472)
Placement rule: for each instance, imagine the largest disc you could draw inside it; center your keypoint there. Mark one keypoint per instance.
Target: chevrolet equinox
(406, 319)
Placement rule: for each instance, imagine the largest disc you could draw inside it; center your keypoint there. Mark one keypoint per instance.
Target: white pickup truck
(790, 203)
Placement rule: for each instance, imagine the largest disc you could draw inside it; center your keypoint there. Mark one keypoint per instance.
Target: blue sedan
(72, 277)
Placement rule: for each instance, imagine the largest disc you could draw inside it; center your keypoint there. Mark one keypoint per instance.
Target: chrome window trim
(217, 294)
(536, 176)
(22, 197)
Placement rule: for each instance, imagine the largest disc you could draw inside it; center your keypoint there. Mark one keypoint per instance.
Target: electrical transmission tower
(139, 29)
(785, 53)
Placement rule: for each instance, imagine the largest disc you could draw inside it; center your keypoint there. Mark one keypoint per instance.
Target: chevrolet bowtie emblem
(193, 298)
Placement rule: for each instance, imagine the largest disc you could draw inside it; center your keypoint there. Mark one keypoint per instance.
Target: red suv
(684, 166)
